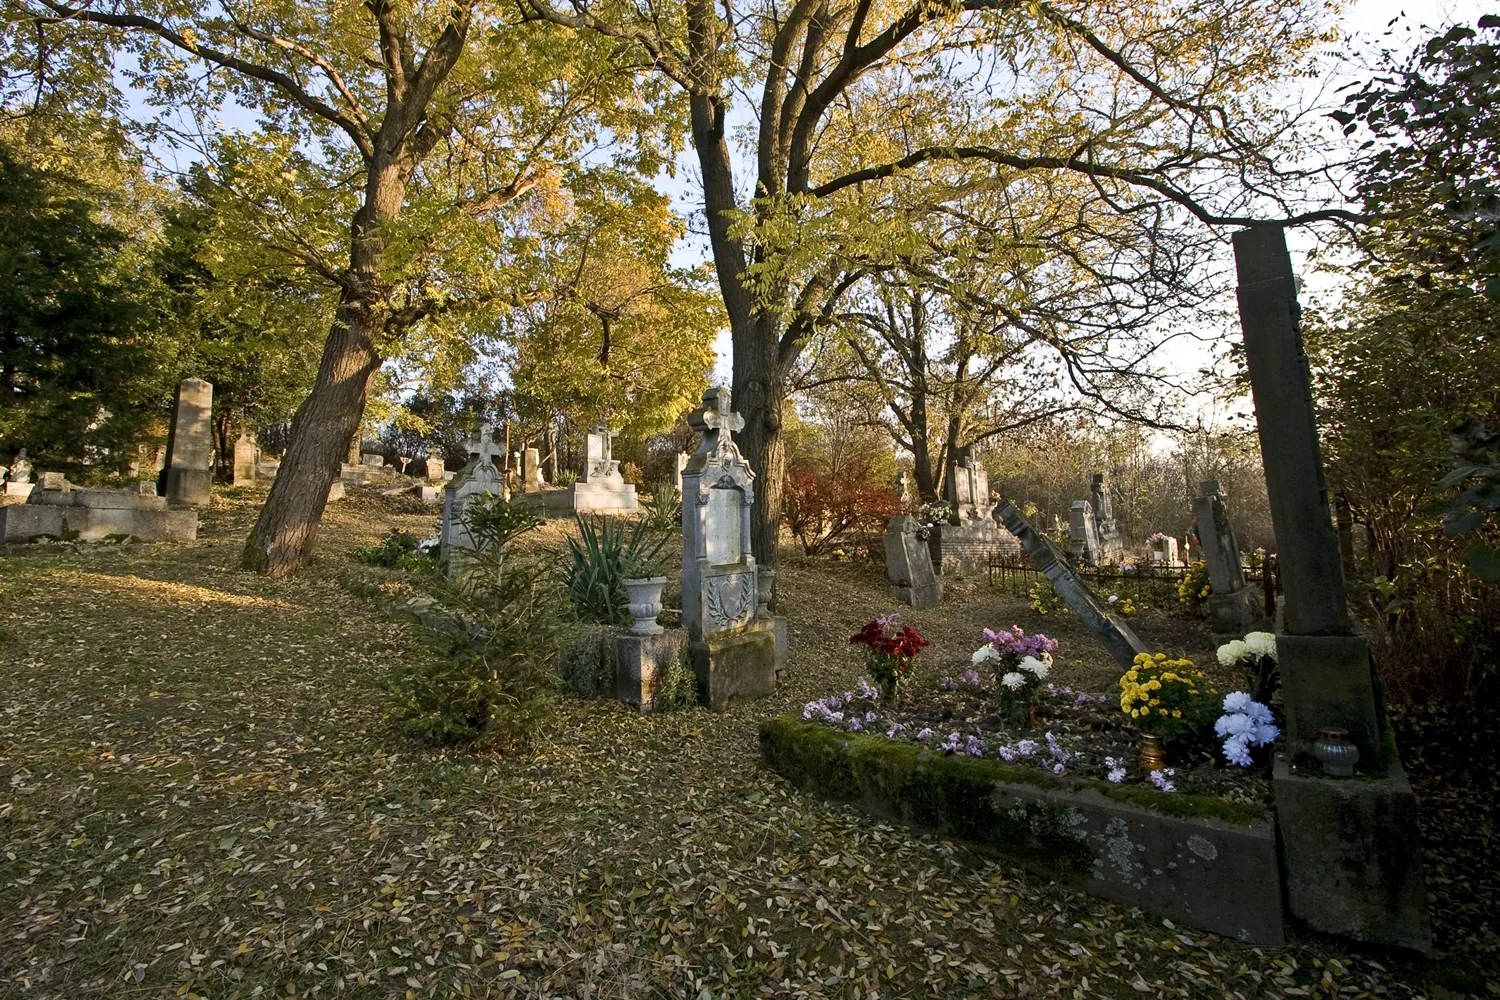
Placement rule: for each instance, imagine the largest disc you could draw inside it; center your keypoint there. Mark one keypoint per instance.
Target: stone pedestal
(19, 489)
(1231, 615)
(641, 664)
(965, 549)
(734, 665)
(1327, 682)
(336, 491)
(1353, 855)
(188, 480)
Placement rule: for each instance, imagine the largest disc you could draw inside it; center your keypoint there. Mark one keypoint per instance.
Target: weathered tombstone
(189, 477)
(477, 478)
(1111, 547)
(1107, 627)
(436, 470)
(908, 564)
(602, 488)
(1351, 847)
(1083, 534)
(905, 494)
(733, 651)
(1229, 606)
(135, 513)
(1164, 550)
(18, 483)
(531, 471)
(372, 461)
(337, 490)
(967, 545)
(246, 457)
(54, 481)
(682, 461)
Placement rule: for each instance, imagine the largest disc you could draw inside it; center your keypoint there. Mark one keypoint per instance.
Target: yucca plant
(662, 511)
(601, 558)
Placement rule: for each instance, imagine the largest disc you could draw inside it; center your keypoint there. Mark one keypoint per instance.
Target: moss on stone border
(951, 793)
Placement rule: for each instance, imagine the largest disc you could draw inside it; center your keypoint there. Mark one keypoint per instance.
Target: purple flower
(855, 726)
(886, 622)
(1162, 780)
(1055, 749)
(950, 745)
(1058, 769)
(1006, 754)
(871, 716)
(1026, 748)
(974, 747)
(896, 727)
(924, 734)
(948, 683)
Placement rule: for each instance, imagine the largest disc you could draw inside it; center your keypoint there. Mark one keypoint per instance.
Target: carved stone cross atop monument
(715, 415)
(482, 444)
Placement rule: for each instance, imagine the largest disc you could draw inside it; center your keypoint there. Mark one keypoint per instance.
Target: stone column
(189, 478)
(1351, 847)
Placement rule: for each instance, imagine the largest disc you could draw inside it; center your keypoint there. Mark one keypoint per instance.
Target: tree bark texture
(324, 424)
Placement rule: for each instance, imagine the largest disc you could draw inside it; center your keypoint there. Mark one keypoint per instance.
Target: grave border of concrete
(1217, 872)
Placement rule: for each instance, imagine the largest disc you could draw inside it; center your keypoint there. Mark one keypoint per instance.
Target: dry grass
(199, 797)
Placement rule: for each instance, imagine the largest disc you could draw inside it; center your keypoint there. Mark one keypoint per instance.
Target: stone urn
(765, 580)
(645, 604)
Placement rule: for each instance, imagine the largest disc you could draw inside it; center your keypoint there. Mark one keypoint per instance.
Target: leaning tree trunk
(324, 424)
(759, 392)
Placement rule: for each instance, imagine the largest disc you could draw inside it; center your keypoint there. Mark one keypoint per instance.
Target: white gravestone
(602, 489)
(733, 650)
(189, 478)
(478, 478)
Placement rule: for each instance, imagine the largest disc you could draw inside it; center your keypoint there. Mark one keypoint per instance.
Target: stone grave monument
(1350, 846)
(1093, 535)
(966, 544)
(682, 461)
(188, 476)
(908, 564)
(1107, 627)
(477, 478)
(531, 471)
(96, 515)
(18, 482)
(602, 489)
(733, 648)
(1163, 549)
(1230, 610)
(246, 459)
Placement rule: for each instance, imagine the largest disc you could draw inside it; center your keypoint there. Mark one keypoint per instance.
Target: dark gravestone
(1107, 627)
(1353, 859)
(908, 564)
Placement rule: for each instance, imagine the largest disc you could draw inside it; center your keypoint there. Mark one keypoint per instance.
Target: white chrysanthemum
(1014, 681)
(1261, 644)
(1232, 652)
(1046, 658)
(984, 654)
(1033, 666)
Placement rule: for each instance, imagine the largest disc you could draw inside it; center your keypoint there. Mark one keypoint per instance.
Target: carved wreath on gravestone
(731, 599)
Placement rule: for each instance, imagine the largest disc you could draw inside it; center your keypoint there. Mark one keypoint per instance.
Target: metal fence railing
(1151, 583)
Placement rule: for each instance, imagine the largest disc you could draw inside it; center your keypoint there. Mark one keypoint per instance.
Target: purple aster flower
(1026, 748)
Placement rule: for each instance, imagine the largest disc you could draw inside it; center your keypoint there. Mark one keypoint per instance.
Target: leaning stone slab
(1198, 860)
(908, 565)
(1353, 854)
(1107, 627)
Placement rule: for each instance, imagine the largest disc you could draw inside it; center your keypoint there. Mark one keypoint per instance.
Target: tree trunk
(322, 429)
(759, 392)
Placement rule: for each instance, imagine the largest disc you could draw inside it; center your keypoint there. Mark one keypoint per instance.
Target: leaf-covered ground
(198, 797)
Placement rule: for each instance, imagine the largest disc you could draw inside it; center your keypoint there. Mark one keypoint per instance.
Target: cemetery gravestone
(18, 483)
(531, 471)
(1107, 627)
(908, 564)
(189, 479)
(1111, 548)
(733, 651)
(246, 457)
(1229, 606)
(1083, 535)
(480, 477)
(1351, 847)
(967, 545)
(95, 515)
(602, 489)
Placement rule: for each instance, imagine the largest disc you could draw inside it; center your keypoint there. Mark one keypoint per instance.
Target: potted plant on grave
(1168, 701)
(643, 581)
(889, 654)
(1021, 662)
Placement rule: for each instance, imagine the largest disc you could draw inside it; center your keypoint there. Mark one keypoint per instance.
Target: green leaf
(1484, 560)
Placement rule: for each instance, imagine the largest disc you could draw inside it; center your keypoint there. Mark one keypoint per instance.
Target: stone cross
(190, 445)
(481, 444)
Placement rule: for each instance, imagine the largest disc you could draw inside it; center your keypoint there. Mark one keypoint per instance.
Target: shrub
(399, 548)
(601, 558)
(1193, 589)
(662, 509)
(566, 477)
(820, 506)
(492, 633)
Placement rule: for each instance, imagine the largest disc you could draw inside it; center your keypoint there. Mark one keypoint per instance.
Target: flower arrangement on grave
(1167, 700)
(889, 653)
(1245, 724)
(1193, 589)
(1255, 654)
(1021, 663)
(1043, 597)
